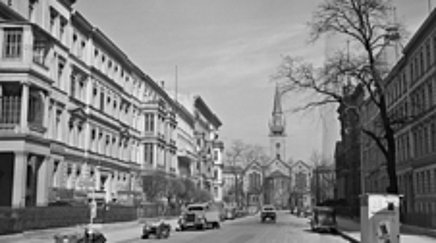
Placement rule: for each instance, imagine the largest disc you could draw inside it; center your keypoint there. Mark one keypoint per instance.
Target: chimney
(162, 84)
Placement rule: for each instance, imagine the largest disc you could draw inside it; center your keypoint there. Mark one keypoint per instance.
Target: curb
(347, 237)
(417, 230)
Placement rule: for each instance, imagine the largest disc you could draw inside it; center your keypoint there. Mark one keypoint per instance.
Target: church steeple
(277, 128)
(277, 123)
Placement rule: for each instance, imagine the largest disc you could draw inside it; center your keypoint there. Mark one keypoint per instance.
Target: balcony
(12, 118)
(32, 53)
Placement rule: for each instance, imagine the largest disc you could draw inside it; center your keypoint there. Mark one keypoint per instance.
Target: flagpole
(177, 85)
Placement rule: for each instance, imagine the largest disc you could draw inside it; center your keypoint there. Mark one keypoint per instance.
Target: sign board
(380, 218)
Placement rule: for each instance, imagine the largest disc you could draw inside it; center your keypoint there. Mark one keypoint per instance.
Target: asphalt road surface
(288, 228)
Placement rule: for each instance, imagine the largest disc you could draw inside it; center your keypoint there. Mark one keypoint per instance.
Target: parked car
(200, 216)
(91, 235)
(159, 228)
(323, 219)
(268, 212)
(230, 213)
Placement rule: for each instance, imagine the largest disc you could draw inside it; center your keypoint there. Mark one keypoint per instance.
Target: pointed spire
(277, 109)
(277, 122)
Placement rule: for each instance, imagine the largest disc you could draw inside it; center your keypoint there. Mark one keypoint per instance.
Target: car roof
(268, 206)
(323, 208)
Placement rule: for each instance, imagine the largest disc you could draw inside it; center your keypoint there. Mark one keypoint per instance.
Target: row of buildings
(274, 181)
(78, 116)
(410, 95)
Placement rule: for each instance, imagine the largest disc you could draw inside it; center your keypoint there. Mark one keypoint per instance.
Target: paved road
(247, 230)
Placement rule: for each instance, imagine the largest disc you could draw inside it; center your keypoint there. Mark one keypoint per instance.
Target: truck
(200, 216)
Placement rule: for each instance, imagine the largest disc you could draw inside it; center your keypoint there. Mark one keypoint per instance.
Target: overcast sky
(226, 51)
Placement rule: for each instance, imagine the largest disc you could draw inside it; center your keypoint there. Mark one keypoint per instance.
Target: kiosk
(380, 218)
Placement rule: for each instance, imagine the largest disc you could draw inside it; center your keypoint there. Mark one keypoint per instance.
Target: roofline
(423, 27)
(9, 12)
(202, 106)
(304, 163)
(81, 21)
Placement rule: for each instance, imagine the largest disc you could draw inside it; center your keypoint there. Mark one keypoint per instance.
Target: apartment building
(76, 115)
(209, 148)
(410, 98)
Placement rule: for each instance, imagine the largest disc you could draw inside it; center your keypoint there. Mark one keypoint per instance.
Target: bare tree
(369, 29)
(323, 178)
(241, 154)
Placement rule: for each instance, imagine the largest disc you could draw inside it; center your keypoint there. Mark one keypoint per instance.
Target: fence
(427, 220)
(18, 220)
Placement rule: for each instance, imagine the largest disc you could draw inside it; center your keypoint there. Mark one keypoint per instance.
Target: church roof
(300, 162)
(279, 160)
(276, 174)
(252, 164)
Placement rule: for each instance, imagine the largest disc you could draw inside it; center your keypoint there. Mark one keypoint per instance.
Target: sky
(226, 51)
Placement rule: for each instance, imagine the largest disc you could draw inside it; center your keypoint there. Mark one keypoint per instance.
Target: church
(276, 181)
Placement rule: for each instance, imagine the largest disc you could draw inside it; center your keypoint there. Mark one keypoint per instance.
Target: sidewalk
(350, 229)
(110, 230)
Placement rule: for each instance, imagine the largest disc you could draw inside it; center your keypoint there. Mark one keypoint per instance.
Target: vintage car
(200, 216)
(323, 219)
(268, 212)
(230, 212)
(159, 228)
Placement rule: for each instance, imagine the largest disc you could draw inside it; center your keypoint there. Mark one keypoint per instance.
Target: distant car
(268, 212)
(60, 204)
(158, 228)
(230, 213)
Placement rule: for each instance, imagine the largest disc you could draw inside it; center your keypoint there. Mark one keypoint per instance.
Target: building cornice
(206, 111)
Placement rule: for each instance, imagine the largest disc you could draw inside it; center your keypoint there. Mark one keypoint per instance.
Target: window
(215, 155)
(102, 100)
(430, 94)
(53, 15)
(73, 85)
(421, 63)
(427, 54)
(63, 24)
(148, 152)
(31, 8)
(40, 50)
(13, 39)
(411, 72)
(61, 66)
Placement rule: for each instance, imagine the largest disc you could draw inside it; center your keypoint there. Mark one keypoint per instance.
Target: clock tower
(277, 126)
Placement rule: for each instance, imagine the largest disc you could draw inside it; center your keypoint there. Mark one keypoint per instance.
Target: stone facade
(77, 116)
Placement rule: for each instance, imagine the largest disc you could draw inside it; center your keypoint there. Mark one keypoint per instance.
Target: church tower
(277, 129)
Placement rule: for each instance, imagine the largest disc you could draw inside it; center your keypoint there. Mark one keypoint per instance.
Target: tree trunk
(391, 162)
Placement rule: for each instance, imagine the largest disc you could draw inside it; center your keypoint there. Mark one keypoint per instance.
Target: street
(246, 230)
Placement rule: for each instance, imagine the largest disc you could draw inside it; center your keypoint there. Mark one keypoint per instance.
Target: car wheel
(166, 233)
(144, 236)
(217, 225)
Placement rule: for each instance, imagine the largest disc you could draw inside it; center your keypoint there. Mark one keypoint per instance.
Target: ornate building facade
(77, 115)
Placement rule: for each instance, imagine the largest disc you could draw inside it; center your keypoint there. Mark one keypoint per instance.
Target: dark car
(268, 212)
(160, 229)
(323, 219)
